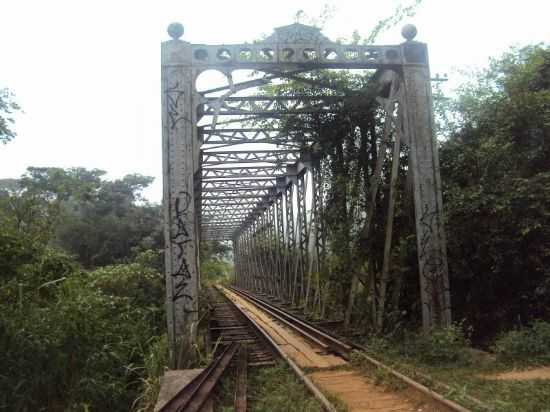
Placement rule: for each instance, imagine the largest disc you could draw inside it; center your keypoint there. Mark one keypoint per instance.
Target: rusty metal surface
(193, 396)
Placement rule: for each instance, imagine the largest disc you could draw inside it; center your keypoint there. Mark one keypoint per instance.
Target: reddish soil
(525, 375)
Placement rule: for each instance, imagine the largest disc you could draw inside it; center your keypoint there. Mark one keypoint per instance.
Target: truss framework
(243, 171)
(268, 105)
(276, 157)
(225, 137)
(263, 188)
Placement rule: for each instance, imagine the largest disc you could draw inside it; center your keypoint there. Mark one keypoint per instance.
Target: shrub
(440, 346)
(527, 344)
(86, 345)
(154, 364)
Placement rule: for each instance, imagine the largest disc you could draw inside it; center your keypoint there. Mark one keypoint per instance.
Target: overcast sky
(87, 73)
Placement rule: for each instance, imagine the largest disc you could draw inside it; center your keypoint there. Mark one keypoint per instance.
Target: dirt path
(355, 390)
(526, 375)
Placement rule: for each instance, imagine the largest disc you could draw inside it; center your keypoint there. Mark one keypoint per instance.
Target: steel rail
(324, 340)
(226, 325)
(327, 405)
(192, 397)
(426, 391)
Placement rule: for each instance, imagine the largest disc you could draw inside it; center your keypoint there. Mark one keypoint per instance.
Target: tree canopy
(96, 220)
(494, 167)
(76, 336)
(8, 106)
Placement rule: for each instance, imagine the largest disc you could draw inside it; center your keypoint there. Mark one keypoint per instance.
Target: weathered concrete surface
(173, 381)
(428, 203)
(180, 162)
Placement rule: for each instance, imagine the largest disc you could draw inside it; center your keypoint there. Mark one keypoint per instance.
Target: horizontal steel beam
(216, 131)
(224, 211)
(224, 205)
(244, 171)
(275, 112)
(218, 229)
(237, 185)
(248, 152)
(255, 189)
(235, 197)
(238, 179)
(256, 98)
(231, 213)
(278, 157)
(215, 202)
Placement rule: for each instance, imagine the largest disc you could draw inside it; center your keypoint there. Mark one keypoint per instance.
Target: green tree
(214, 261)
(496, 185)
(99, 221)
(71, 340)
(7, 107)
(112, 226)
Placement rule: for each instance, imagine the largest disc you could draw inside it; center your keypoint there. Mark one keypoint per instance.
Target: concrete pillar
(179, 165)
(430, 230)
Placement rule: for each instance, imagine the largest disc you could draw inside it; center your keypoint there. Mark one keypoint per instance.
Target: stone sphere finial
(175, 30)
(409, 31)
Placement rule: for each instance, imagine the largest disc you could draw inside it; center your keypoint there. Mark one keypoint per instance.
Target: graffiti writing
(179, 239)
(431, 260)
(175, 105)
(432, 263)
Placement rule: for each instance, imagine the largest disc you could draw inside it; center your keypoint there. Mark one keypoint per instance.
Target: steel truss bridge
(232, 173)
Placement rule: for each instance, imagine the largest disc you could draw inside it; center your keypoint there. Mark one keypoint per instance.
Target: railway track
(314, 334)
(194, 395)
(250, 331)
(344, 349)
(237, 342)
(228, 325)
(321, 361)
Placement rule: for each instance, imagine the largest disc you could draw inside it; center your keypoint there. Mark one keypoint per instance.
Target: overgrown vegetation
(528, 344)
(81, 291)
(80, 342)
(441, 346)
(75, 337)
(274, 389)
(461, 374)
(494, 168)
(278, 389)
(445, 362)
(494, 155)
(215, 261)
(494, 135)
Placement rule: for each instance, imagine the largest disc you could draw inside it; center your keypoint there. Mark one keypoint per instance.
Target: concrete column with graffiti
(179, 167)
(428, 204)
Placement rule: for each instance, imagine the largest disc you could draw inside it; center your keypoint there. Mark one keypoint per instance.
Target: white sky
(87, 73)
